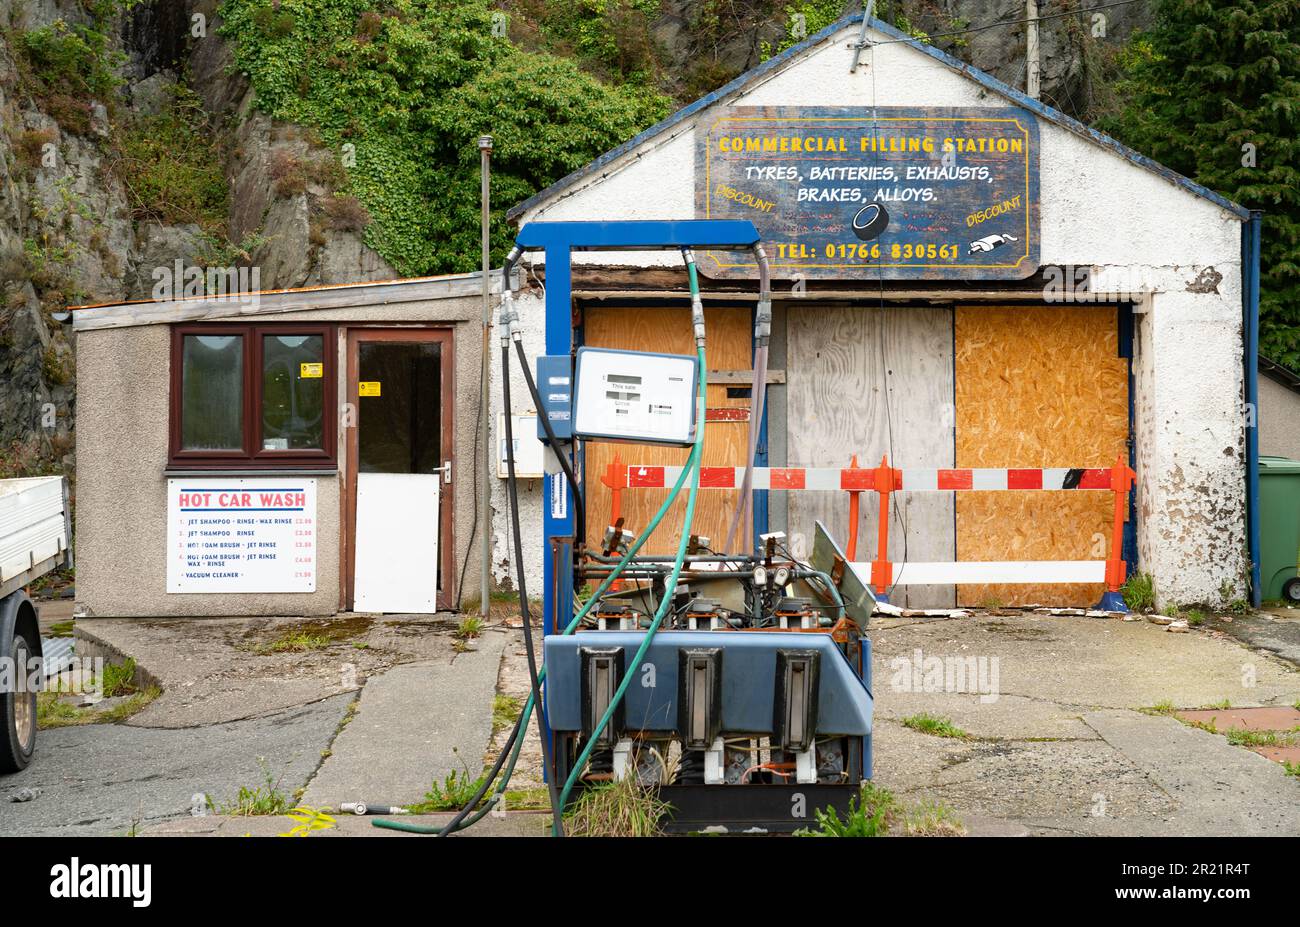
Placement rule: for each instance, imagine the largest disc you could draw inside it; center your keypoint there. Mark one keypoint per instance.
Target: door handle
(445, 470)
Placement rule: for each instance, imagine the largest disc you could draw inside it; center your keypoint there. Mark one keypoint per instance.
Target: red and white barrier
(856, 479)
(883, 575)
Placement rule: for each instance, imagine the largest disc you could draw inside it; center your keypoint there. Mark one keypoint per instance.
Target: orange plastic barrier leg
(1121, 481)
(882, 571)
(851, 549)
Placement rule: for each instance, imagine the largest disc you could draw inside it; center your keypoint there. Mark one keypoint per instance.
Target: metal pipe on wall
(484, 463)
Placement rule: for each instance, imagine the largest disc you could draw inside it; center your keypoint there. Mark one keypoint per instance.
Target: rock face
(71, 231)
(707, 47)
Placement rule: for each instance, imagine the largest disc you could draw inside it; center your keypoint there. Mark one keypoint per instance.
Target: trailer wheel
(1291, 591)
(18, 711)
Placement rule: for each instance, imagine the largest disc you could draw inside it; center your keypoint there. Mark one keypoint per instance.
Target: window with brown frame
(252, 396)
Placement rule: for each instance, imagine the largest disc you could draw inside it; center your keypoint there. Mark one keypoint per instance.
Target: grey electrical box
(555, 386)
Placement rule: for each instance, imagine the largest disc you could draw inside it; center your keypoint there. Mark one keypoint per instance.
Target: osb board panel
(1037, 387)
(668, 331)
(840, 363)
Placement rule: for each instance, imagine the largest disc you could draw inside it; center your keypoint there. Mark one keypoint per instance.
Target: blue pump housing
(748, 679)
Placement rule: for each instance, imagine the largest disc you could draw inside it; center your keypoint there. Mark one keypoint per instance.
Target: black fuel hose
(524, 612)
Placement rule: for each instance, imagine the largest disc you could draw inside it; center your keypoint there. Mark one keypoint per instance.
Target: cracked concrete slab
(214, 670)
(1220, 790)
(1061, 749)
(414, 724)
(106, 779)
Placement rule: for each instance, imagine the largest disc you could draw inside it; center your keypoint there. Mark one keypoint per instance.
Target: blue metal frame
(1250, 234)
(558, 241)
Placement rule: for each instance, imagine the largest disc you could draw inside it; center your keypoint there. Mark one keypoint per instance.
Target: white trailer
(35, 538)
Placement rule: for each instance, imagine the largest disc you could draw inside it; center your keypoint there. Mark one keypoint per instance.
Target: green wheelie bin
(1279, 527)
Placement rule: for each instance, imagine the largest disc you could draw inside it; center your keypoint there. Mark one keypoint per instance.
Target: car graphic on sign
(989, 242)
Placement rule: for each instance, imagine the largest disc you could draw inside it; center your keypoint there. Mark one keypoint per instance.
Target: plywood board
(840, 364)
(729, 332)
(1037, 387)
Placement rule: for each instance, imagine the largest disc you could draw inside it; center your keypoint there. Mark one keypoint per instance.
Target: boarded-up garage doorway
(1037, 386)
(868, 381)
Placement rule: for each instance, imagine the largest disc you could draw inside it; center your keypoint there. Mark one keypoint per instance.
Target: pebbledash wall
(1146, 235)
(123, 361)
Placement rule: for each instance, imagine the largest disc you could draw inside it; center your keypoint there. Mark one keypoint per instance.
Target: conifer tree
(1213, 91)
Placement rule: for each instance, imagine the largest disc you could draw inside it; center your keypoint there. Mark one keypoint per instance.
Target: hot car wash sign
(241, 535)
(887, 193)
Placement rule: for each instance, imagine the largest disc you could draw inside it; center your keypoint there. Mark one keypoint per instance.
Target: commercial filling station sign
(887, 193)
(241, 535)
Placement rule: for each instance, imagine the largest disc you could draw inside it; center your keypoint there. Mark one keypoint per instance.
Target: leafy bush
(409, 89)
(67, 67)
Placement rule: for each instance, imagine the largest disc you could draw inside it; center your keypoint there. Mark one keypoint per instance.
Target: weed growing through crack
(453, 793)
(1160, 708)
(1139, 592)
(119, 678)
(505, 711)
(1221, 705)
(1292, 769)
(259, 799)
(470, 627)
(931, 818)
(935, 726)
(868, 815)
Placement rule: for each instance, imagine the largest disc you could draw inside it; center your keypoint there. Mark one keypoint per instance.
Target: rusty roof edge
(234, 305)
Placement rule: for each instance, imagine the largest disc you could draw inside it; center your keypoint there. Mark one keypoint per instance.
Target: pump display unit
(635, 396)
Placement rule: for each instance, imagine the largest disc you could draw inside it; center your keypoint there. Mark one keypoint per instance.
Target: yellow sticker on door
(311, 371)
(368, 388)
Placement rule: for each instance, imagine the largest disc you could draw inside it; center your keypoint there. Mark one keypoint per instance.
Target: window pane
(293, 392)
(400, 429)
(212, 393)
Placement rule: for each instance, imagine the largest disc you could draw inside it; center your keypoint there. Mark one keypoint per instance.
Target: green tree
(1208, 86)
(401, 94)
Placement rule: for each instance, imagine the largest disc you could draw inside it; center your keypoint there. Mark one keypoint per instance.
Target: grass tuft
(623, 808)
(935, 726)
(1165, 707)
(931, 818)
(1139, 592)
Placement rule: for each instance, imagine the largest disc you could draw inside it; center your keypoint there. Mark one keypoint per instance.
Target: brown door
(398, 556)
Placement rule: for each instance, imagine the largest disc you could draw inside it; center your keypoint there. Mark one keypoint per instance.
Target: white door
(397, 542)
(401, 472)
